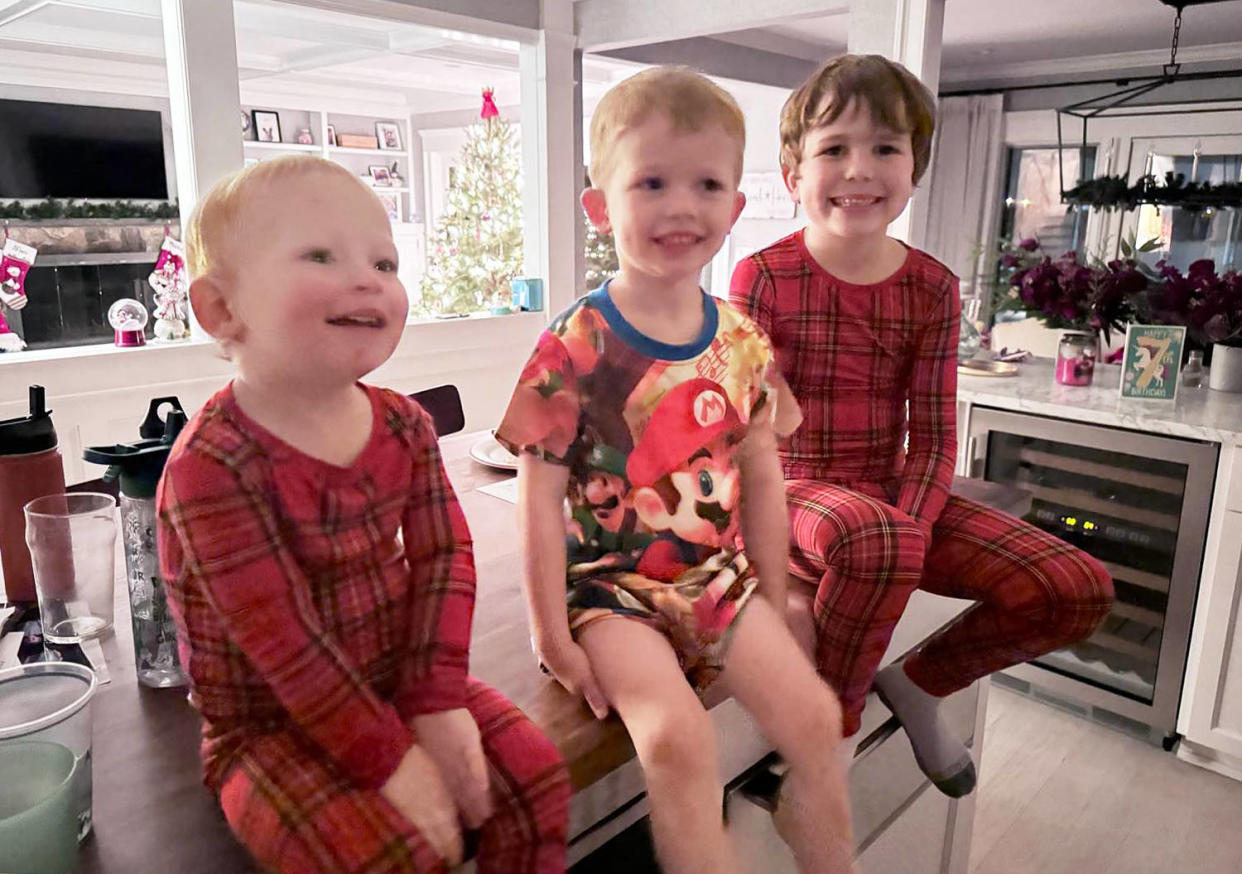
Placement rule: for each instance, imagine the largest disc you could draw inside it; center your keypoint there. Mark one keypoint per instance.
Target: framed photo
(389, 135)
(266, 126)
(392, 205)
(331, 135)
(380, 175)
(1152, 362)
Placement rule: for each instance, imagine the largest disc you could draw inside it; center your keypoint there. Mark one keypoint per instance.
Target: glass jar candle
(1076, 358)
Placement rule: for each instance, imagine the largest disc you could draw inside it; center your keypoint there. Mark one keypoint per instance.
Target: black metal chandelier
(1111, 192)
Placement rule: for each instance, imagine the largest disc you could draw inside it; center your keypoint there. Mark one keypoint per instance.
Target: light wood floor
(1061, 795)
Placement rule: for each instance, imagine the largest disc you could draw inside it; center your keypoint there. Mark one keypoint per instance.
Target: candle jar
(1076, 358)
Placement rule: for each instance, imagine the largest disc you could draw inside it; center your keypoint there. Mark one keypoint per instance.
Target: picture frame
(392, 204)
(389, 135)
(380, 175)
(332, 135)
(1152, 364)
(266, 126)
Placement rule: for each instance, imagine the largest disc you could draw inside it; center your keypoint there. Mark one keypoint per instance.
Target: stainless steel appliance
(1137, 502)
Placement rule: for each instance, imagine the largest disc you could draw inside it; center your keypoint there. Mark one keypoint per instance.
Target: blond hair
(896, 98)
(690, 100)
(216, 222)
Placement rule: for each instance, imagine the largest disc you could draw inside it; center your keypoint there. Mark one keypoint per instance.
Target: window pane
(101, 139)
(1188, 236)
(398, 104)
(1033, 206)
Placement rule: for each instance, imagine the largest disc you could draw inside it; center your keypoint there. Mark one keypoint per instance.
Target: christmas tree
(477, 244)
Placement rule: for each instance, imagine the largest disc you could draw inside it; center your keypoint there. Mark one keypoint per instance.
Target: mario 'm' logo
(709, 408)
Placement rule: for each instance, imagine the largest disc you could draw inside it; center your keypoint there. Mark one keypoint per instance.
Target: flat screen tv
(63, 150)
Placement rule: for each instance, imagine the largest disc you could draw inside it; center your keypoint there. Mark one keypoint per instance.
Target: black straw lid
(28, 434)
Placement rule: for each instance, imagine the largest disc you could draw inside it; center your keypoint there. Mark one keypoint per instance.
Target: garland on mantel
(1111, 192)
(72, 209)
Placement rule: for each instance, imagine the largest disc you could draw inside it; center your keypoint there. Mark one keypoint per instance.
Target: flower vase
(1225, 374)
(1077, 353)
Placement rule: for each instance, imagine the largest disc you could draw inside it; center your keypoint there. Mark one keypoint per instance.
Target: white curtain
(963, 183)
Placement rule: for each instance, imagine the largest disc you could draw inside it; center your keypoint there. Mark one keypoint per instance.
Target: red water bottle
(30, 467)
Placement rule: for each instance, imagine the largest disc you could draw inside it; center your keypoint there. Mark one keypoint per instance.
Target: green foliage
(477, 244)
(1113, 192)
(52, 208)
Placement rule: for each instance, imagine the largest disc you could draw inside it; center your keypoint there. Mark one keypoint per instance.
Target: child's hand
(567, 662)
(452, 740)
(416, 789)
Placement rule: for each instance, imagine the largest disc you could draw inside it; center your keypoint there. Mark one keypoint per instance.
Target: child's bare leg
(773, 679)
(675, 741)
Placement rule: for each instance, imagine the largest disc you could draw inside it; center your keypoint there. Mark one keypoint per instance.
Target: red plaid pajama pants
(298, 815)
(1035, 593)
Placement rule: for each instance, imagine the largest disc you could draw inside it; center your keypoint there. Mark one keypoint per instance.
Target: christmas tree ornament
(128, 318)
(170, 284)
(477, 243)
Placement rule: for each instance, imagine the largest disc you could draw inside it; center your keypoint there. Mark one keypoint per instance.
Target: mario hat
(691, 415)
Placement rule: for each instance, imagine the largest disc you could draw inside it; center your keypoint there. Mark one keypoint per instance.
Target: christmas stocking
(14, 265)
(169, 282)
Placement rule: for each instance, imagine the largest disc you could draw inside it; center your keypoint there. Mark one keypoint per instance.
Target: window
(1033, 206)
(1186, 236)
(111, 149)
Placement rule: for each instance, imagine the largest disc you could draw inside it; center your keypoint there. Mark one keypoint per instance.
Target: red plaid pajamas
(319, 609)
(872, 519)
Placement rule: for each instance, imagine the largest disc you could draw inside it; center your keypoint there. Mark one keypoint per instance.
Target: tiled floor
(1057, 795)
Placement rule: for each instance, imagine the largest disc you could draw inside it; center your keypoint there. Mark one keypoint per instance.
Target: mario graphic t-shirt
(648, 431)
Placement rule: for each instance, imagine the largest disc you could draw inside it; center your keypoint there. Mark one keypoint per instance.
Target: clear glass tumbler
(72, 541)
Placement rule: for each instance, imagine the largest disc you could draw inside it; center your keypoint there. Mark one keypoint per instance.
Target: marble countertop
(1201, 413)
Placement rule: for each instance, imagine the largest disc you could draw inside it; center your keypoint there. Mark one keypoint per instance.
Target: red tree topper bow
(489, 109)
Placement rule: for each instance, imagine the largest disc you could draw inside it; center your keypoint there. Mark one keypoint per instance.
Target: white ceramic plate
(490, 453)
(976, 367)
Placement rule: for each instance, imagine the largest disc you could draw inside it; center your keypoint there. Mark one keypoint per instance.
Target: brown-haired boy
(673, 393)
(865, 331)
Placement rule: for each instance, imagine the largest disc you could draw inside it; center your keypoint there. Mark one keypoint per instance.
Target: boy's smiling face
(855, 177)
(669, 199)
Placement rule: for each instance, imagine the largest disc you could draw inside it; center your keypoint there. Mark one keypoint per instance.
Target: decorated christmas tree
(477, 244)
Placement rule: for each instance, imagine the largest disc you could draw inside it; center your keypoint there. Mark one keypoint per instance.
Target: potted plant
(1209, 304)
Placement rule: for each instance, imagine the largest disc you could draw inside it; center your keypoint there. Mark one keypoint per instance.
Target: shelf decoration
(15, 263)
(1152, 362)
(53, 208)
(1112, 192)
(169, 282)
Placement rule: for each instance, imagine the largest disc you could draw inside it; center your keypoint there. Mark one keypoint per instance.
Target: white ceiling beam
(611, 24)
(307, 25)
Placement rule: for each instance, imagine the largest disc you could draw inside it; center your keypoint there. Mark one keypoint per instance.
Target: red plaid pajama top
(853, 356)
(335, 601)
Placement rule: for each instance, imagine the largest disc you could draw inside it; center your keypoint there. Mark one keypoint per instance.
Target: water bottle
(139, 466)
(30, 467)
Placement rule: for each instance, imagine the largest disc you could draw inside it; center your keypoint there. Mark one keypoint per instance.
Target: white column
(552, 172)
(200, 48)
(909, 32)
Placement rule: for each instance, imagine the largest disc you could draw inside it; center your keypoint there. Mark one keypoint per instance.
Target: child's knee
(881, 539)
(677, 744)
(819, 722)
(1084, 597)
